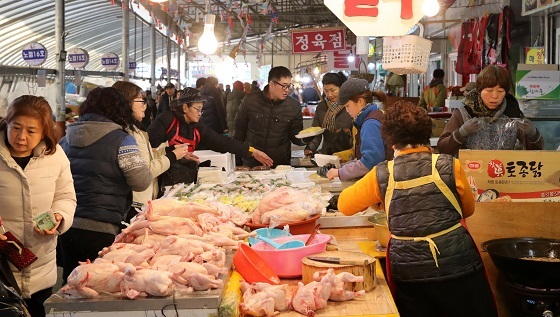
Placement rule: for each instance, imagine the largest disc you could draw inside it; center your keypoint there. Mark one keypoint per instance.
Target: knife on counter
(337, 260)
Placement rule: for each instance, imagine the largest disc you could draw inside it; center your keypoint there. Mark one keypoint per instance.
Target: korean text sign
(517, 175)
(318, 40)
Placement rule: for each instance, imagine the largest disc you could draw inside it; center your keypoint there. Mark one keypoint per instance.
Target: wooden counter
(377, 303)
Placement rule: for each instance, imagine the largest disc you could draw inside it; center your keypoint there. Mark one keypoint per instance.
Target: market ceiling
(95, 25)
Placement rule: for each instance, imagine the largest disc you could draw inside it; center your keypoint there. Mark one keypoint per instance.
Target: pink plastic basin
(287, 263)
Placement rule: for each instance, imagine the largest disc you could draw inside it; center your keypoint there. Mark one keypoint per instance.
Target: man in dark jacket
(166, 98)
(269, 121)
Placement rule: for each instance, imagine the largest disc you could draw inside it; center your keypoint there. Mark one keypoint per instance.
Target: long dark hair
(110, 103)
(37, 108)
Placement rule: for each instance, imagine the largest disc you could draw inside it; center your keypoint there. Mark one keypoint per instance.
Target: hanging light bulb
(207, 44)
(316, 70)
(430, 7)
(351, 57)
(298, 77)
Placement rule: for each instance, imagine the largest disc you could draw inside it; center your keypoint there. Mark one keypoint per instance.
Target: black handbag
(11, 302)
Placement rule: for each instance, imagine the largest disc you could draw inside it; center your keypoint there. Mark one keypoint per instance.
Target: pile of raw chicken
(169, 246)
(287, 205)
(263, 299)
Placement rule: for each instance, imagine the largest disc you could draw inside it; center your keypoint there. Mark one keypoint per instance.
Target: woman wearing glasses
(181, 127)
(158, 161)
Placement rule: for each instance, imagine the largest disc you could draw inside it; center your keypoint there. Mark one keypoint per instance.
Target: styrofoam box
(221, 160)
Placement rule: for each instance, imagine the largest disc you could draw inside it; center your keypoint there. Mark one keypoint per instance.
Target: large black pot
(507, 253)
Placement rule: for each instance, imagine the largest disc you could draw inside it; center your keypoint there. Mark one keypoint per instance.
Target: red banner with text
(318, 40)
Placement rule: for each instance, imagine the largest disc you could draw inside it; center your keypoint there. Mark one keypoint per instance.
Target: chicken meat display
(170, 245)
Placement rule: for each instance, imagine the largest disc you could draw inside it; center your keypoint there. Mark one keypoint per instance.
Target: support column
(178, 64)
(125, 38)
(153, 54)
(168, 52)
(61, 60)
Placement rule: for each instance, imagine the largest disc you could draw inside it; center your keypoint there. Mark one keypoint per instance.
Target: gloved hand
(470, 127)
(527, 127)
(323, 170)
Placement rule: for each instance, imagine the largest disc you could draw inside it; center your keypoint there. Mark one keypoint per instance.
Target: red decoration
(406, 9)
(495, 169)
(361, 8)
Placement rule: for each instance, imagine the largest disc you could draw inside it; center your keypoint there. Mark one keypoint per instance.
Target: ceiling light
(351, 57)
(207, 44)
(316, 70)
(430, 7)
(298, 77)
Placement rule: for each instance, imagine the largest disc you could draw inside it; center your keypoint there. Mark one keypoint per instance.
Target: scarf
(474, 102)
(330, 116)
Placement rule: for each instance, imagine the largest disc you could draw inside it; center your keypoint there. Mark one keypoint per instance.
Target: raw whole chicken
(142, 282)
(311, 297)
(286, 200)
(338, 282)
(135, 254)
(276, 292)
(176, 208)
(257, 304)
(88, 279)
(202, 282)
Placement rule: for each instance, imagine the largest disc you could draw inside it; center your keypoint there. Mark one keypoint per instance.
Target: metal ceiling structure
(95, 25)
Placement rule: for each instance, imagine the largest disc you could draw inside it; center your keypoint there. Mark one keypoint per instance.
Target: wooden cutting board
(367, 271)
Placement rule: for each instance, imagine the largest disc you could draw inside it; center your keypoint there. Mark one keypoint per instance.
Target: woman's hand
(262, 157)
(180, 151)
(3, 237)
(471, 126)
(308, 153)
(191, 157)
(332, 173)
(527, 127)
(58, 218)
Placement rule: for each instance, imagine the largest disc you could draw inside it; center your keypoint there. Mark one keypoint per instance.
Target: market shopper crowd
(126, 146)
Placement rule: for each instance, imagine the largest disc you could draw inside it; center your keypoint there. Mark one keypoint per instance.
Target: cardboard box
(530, 176)
(549, 67)
(537, 84)
(437, 127)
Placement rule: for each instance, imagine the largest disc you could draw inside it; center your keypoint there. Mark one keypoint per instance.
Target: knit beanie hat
(351, 88)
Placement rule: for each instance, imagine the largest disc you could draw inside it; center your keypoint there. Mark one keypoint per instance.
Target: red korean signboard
(318, 40)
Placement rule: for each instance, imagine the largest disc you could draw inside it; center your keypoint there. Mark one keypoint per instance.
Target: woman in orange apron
(432, 261)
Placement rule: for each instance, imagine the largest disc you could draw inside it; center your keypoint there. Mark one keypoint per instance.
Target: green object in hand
(45, 220)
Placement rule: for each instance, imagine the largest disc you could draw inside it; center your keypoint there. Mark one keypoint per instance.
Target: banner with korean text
(318, 40)
(512, 175)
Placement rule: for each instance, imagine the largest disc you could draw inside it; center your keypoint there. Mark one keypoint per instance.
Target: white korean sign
(110, 61)
(377, 17)
(78, 58)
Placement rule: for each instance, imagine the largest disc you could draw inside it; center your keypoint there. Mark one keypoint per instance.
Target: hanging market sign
(339, 60)
(132, 65)
(110, 61)
(531, 6)
(78, 58)
(34, 54)
(377, 17)
(318, 40)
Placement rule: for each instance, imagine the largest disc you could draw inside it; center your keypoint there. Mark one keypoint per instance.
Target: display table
(378, 302)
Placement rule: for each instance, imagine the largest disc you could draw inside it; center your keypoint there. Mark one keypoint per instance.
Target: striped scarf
(330, 116)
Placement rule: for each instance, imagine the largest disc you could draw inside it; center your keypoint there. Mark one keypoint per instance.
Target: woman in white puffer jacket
(35, 178)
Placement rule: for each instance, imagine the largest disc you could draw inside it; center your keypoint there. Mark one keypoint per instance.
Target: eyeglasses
(142, 101)
(284, 86)
(199, 110)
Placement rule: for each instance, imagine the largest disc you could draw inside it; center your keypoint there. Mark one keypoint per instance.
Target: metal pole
(125, 38)
(153, 55)
(61, 60)
(178, 64)
(168, 51)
